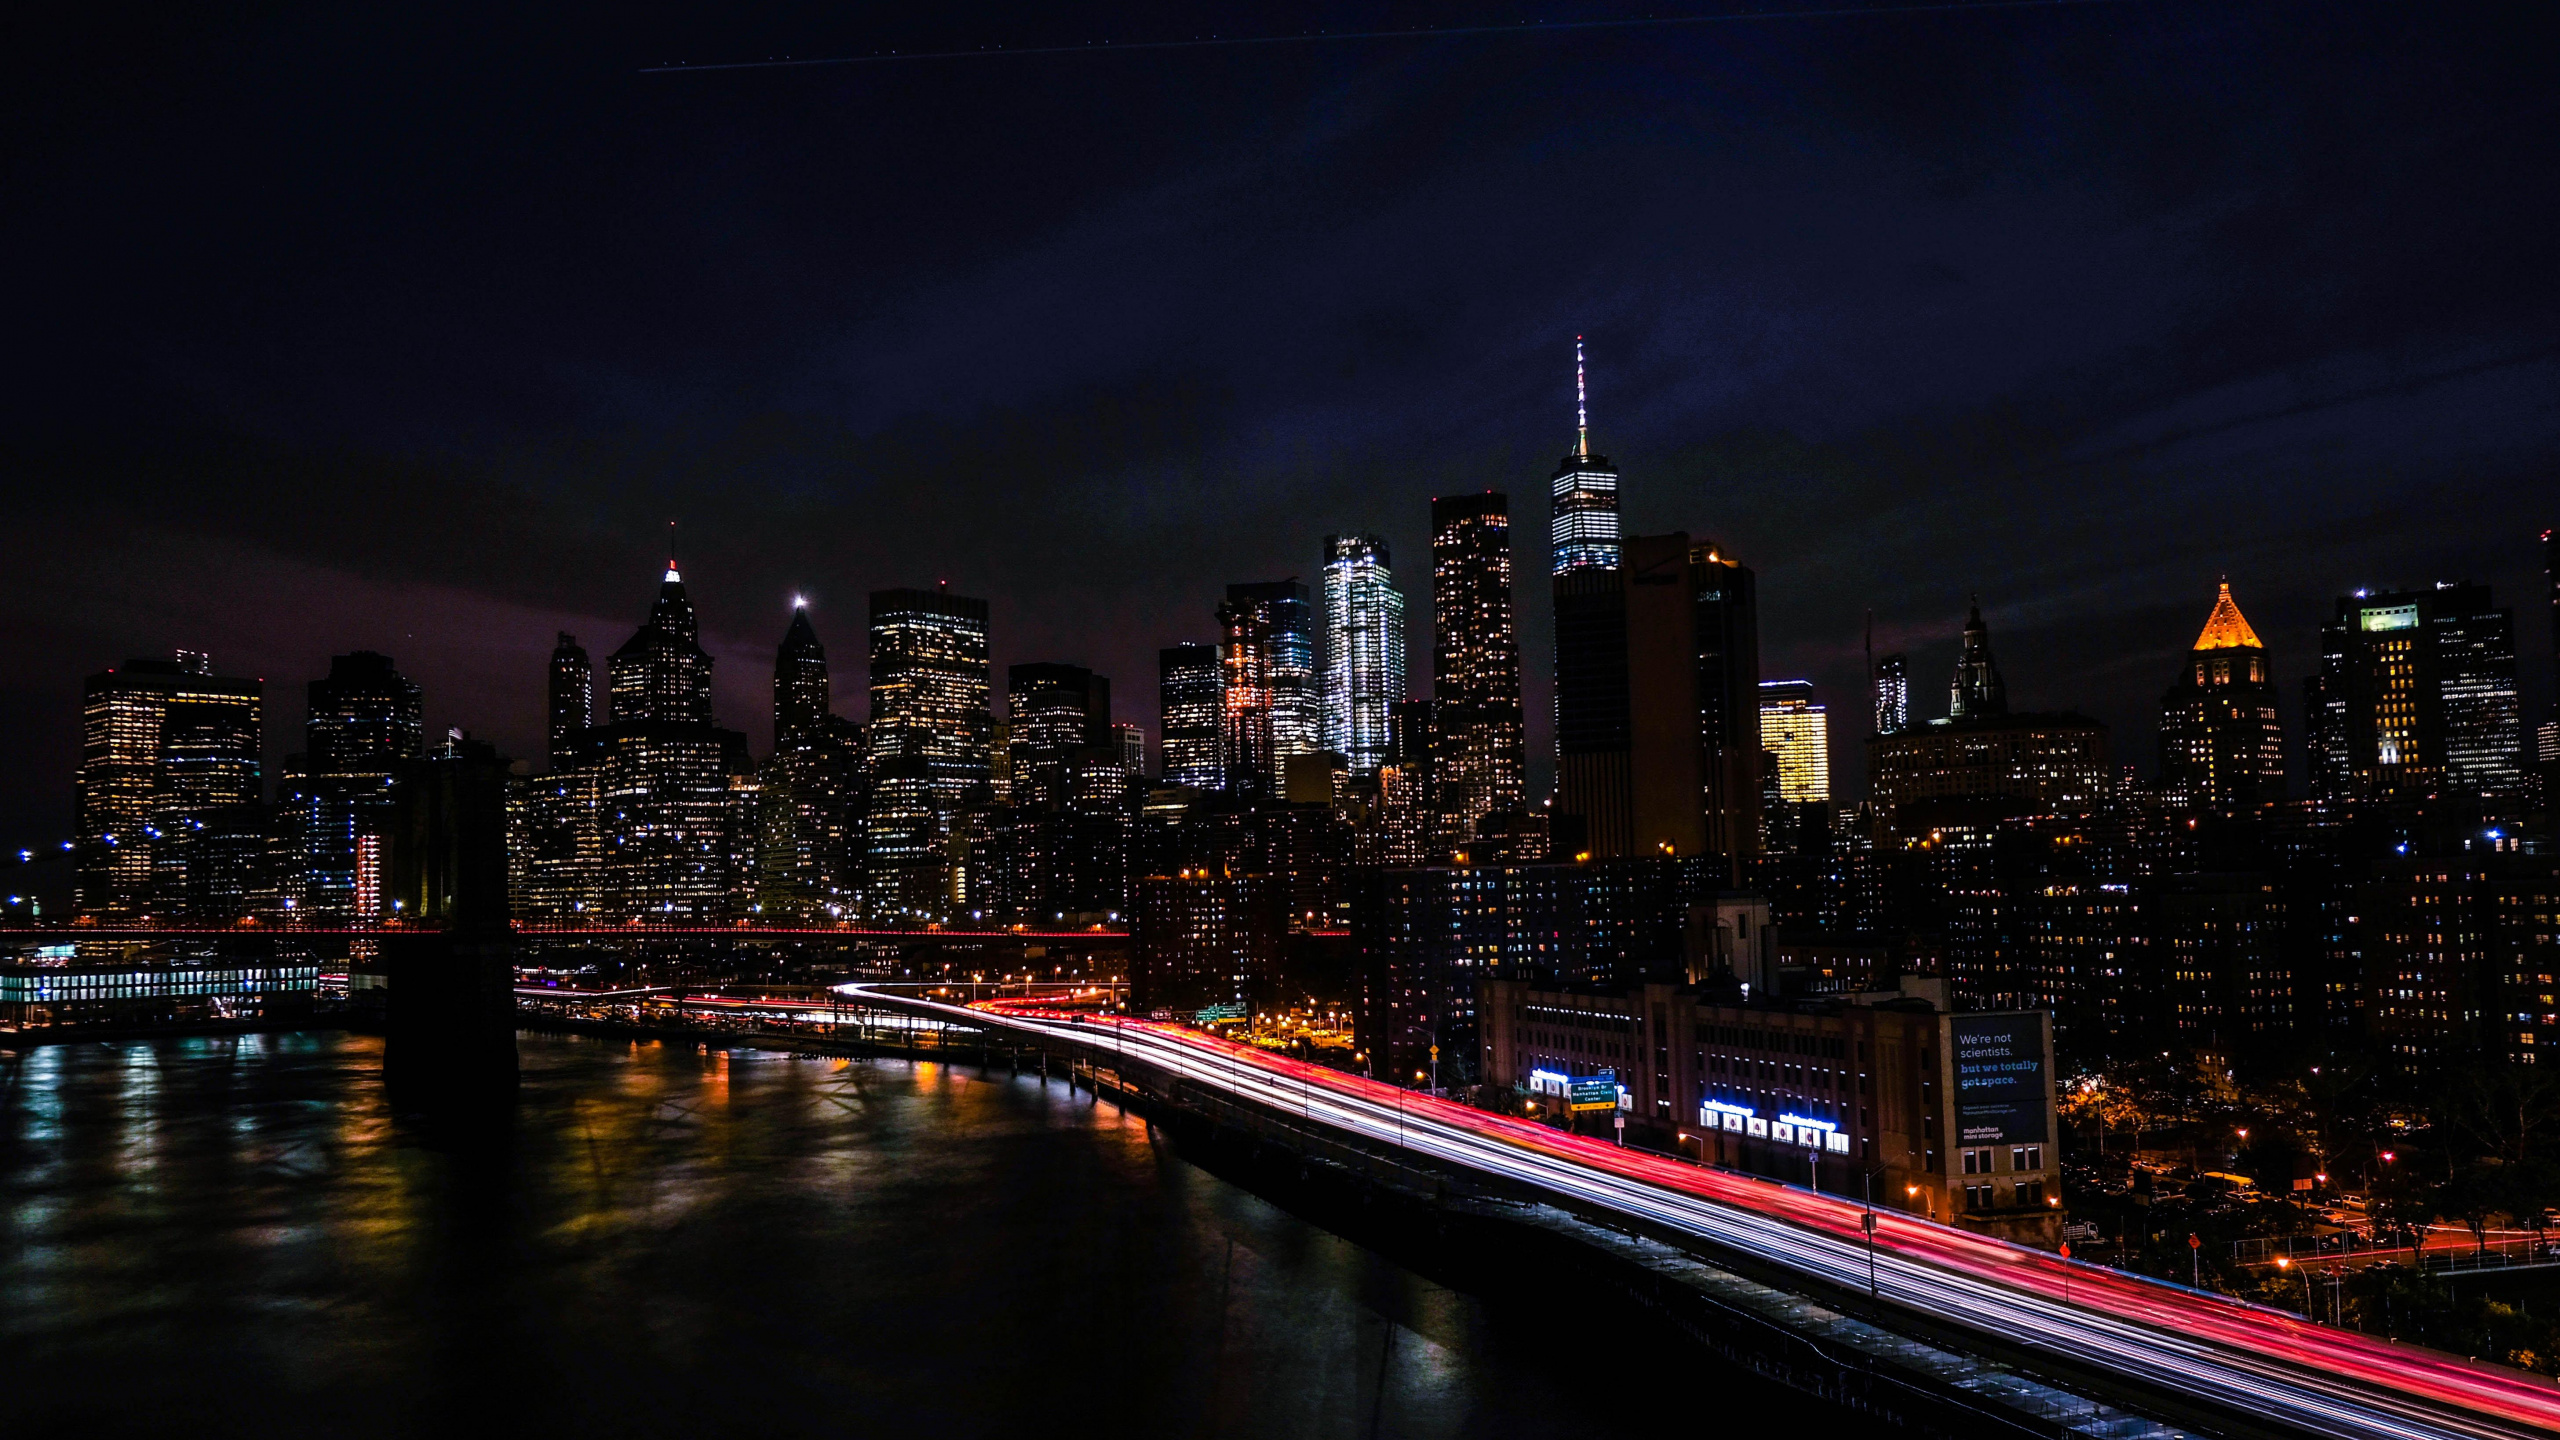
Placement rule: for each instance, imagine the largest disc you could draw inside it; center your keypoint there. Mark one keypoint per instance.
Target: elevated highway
(2266, 1370)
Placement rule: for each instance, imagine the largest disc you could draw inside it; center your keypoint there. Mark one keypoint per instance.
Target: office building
(809, 793)
(1129, 743)
(363, 722)
(1594, 787)
(572, 697)
(1796, 729)
(1952, 1113)
(1693, 698)
(1052, 712)
(662, 673)
(164, 745)
(653, 815)
(929, 739)
(1893, 694)
(1582, 525)
(1981, 762)
(801, 689)
(1272, 635)
(1479, 762)
(2006, 764)
(1250, 765)
(1364, 671)
(1191, 706)
(2416, 696)
(2221, 746)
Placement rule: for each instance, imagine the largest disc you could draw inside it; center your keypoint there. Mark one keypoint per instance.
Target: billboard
(2000, 1080)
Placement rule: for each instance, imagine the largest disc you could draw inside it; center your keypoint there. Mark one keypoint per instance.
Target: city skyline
(1894, 360)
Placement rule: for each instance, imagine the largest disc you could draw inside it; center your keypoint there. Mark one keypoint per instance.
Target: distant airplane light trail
(1838, 12)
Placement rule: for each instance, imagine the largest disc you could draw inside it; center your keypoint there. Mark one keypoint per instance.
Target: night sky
(332, 329)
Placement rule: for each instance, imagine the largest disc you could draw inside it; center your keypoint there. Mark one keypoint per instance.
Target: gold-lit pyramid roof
(2225, 629)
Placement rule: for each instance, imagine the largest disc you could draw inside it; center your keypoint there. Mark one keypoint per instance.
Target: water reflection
(235, 1236)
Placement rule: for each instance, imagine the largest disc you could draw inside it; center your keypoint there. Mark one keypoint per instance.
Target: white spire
(1581, 406)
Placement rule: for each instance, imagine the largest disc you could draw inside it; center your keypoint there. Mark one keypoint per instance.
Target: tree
(2404, 1204)
(2508, 1111)
(2473, 1198)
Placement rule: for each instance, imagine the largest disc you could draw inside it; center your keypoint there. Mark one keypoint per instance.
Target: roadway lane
(2237, 1356)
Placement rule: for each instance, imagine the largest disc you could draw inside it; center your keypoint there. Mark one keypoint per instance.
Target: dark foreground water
(234, 1237)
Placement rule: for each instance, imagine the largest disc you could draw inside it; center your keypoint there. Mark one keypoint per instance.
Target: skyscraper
(1245, 742)
(573, 692)
(1052, 711)
(1795, 728)
(1893, 694)
(1693, 698)
(1475, 655)
(164, 744)
(1593, 796)
(1984, 763)
(1291, 667)
(2221, 745)
(1582, 525)
(1189, 697)
(2416, 694)
(1364, 673)
(809, 794)
(662, 672)
(801, 690)
(1977, 691)
(653, 814)
(363, 723)
(929, 739)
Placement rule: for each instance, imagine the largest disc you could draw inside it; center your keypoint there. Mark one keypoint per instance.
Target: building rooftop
(2226, 628)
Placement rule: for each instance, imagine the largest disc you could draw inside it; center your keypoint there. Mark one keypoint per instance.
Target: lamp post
(1867, 1222)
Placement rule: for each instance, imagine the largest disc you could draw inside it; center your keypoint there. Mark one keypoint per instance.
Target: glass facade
(165, 747)
(1190, 696)
(930, 740)
(1795, 728)
(1479, 764)
(1364, 669)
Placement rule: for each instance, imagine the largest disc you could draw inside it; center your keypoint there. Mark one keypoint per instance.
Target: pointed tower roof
(2226, 629)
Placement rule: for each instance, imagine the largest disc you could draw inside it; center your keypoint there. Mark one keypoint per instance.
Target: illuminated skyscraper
(1190, 699)
(363, 722)
(1129, 745)
(2221, 745)
(662, 672)
(1364, 673)
(1475, 655)
(1893, 694)
(1583, 524)
(809, 794)
(653, 814)
(1245, 742)
(164, 745)
(1290, 668)
(801, 689)
(573, 692)
(2416, 694)
(1051, 713)
(1795, 728)
(929, 738)
(1978, 690)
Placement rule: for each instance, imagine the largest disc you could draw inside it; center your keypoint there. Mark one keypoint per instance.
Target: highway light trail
(2164, 1337)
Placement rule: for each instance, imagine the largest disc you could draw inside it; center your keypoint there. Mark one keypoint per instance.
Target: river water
(235, 1236)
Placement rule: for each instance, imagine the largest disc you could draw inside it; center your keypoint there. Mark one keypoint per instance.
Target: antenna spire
(1581, 406)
